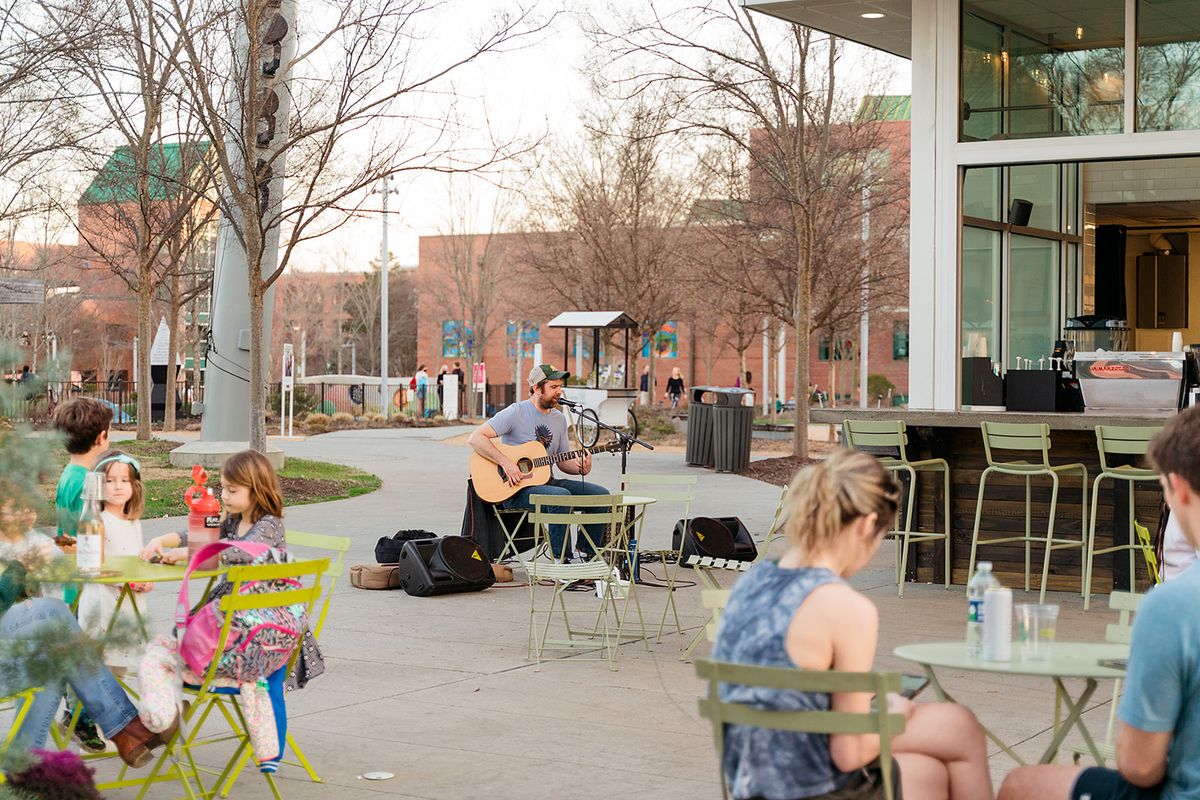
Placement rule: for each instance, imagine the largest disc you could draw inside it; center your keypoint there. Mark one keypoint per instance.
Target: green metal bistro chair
(877, 721)
(600, 510)
(1028, 437)
(1118, 440)
(1119, 632)
(177, 760)
(19, 704)
(664, 488)
(334, 548)
(894, 434)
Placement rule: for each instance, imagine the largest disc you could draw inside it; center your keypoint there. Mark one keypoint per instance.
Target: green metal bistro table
(1068, 660)
(124, 570)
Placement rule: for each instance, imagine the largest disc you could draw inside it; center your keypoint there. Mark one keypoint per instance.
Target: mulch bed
(776, 471)
(298, 489)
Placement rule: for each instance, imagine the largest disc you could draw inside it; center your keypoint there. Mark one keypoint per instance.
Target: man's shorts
(1098, 783)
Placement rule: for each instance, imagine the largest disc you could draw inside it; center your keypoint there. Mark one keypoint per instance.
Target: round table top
(1067, 659)
(132, 569)
(637, 500)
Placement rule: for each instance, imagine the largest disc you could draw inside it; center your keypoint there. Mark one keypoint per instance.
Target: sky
(528, 92)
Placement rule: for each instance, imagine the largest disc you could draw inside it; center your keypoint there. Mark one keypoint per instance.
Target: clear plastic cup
(1036, 629)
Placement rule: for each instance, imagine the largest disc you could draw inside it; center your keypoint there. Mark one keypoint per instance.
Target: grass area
(303, 481)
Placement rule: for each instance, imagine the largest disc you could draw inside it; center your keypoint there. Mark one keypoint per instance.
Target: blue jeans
(95, 686)
(558, 533)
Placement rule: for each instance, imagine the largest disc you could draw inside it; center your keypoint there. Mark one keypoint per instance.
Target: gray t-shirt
(522, 422)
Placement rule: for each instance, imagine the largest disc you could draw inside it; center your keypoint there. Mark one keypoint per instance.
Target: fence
(362, 398)
(121, 396)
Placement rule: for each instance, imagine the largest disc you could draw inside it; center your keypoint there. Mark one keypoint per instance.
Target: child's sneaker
(85, 734)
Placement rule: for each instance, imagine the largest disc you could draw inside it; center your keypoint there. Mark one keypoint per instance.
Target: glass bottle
(89, 534)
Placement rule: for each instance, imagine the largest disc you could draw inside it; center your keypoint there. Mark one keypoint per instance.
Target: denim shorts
(1098, 783)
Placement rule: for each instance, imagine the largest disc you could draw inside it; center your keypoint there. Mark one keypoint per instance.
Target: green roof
(884, 108)
(117, 181)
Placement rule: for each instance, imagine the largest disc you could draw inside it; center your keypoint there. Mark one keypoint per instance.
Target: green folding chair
(894, 434)
(18, 703)
(334, 548)
(1028, 437)
(603, 510)
(877, 721)
(672, 489)
(1119, 632)
(1118, 440)
(177, 760)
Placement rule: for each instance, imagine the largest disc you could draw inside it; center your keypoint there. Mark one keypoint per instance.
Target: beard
(545, 403)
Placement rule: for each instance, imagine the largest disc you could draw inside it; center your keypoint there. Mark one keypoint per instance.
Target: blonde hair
(251, 469)
(828, 495)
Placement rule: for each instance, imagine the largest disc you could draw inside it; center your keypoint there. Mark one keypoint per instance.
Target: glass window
(1039, 184)
(1072, 282)
(900, 340)
(1031, 69)
(823, 350)
(981, 193)
(1168, 54)
(981, 293)
(1033, 299)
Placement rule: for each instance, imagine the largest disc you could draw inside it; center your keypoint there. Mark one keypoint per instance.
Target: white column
(384, 397)
(781, 366)
(766, 362)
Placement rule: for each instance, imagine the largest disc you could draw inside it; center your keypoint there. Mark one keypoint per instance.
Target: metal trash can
(732, 429)
(700, 427)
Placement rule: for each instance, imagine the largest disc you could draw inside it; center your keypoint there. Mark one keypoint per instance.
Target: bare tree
(606, 221)
(774, 93)
(362, 314)
(360, 106)
(477, 270)
(191, 256)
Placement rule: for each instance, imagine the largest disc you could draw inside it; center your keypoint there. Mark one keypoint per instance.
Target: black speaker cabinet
(444, 566)
(720, 537)
(1019, 211)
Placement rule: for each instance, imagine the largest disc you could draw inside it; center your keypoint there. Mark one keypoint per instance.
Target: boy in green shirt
(84, 424)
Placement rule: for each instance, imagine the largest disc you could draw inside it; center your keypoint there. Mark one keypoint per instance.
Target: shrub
(343, 418)
(318, 421)
(879, 386)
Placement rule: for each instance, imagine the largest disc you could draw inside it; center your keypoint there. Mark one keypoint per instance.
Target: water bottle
(980, 583)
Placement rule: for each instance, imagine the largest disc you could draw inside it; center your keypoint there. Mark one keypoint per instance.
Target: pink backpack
(261, 640)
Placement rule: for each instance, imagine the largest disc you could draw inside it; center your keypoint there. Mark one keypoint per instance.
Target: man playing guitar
(538, 419)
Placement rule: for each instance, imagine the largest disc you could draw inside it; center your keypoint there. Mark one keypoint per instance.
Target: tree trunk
(258, 395)
(801, 308)
(144, 385)
(173, 348)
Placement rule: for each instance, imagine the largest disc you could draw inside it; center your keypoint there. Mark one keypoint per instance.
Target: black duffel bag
(387, 549)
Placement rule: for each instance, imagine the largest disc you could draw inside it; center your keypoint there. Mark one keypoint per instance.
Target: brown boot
(135, 744)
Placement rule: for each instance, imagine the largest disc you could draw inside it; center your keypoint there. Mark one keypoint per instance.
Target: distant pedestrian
(422, 381)
(644, 386)
(441, 376)
(26, 374)
(462, 386)
(674, 388)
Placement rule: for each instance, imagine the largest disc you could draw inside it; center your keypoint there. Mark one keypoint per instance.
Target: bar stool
(1027, 437)
(893, 434)
(1118, 440)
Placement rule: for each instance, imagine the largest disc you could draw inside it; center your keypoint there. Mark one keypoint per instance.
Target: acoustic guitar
(491, 484)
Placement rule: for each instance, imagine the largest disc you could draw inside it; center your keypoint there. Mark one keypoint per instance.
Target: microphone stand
(627, 442)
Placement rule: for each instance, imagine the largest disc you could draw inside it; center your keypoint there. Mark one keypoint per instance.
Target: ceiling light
(872, 15)
(1079, 32)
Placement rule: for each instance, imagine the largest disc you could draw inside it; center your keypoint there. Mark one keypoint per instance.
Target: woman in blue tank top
(800, 612)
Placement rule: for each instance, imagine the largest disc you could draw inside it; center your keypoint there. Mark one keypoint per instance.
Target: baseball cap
(546, 372)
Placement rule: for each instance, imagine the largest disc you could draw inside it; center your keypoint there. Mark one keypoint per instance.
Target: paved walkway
(439, 692)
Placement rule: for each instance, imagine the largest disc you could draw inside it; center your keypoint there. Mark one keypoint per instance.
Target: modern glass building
(1055, 149)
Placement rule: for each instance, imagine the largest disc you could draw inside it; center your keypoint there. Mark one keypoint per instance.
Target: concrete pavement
(439, 691)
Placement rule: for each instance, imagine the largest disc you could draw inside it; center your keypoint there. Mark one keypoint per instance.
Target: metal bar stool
(893, 434)
(1028, 437)
(1118, 440)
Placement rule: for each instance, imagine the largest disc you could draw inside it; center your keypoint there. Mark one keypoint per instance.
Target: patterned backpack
(261, 640)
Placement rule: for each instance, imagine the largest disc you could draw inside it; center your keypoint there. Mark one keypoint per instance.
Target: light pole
(385, 405)
(864, 329)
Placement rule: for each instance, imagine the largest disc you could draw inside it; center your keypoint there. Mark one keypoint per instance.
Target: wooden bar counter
(956, 437)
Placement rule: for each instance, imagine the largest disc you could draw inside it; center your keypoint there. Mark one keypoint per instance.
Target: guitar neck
(568, 456)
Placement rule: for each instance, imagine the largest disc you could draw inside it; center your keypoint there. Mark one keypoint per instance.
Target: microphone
(562, 401)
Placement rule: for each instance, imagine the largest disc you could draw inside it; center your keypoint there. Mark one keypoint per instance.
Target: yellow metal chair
(18, 703)
(603, 510)
(177, 761)
(877, 721)
(1118, 440)
(894, 434)
(1028, 437)
(334, 548)
(664, 488)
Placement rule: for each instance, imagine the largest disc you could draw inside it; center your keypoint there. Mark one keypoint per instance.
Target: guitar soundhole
(525, 464)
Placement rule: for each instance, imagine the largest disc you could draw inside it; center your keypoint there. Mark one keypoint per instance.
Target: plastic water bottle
(980, 583)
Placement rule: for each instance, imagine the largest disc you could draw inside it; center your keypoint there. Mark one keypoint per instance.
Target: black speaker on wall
(715, 537)
(1018, 212)
(444, 566)
(1110, 271)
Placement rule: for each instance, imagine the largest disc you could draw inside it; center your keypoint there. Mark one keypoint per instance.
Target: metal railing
(41, 398)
